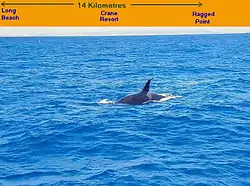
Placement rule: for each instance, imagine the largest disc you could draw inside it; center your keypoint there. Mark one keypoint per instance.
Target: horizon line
(116, 31)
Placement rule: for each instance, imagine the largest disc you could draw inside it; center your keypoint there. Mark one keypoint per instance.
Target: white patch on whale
(166, 97)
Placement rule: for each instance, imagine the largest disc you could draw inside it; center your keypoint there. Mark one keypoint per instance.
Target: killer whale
(142, 97)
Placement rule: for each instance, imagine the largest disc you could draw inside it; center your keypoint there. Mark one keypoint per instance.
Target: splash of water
(106, 101)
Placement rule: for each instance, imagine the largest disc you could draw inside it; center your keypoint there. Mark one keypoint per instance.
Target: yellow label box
(125, 13)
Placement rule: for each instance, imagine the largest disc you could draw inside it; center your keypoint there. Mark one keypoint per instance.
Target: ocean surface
(56, 131)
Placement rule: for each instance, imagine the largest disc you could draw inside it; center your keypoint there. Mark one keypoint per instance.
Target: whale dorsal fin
(146, 87)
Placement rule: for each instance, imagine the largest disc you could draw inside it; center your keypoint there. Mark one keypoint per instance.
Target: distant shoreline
(116, 31)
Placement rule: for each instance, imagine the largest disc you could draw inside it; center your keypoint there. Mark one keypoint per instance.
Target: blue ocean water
(55, 132)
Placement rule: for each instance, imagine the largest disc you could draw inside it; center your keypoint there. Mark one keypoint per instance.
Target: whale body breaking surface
(142, 97)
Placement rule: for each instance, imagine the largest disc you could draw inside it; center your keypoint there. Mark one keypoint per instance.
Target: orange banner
(125, 13)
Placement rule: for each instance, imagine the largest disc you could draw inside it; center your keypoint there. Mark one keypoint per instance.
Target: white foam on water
(106, 101)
